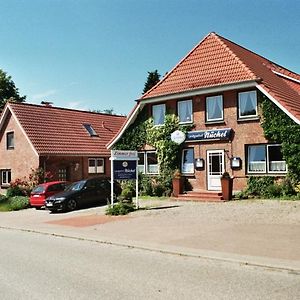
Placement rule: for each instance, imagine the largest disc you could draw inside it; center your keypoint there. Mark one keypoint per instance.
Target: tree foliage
(8, 90)
(152, 80)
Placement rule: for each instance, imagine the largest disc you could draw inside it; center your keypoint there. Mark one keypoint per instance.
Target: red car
(45, 190)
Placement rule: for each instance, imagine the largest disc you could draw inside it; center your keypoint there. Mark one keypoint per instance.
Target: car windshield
(76, 186)
(38, 189)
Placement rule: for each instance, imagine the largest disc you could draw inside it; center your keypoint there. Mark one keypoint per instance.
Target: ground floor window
(96, 165)
(148, 163)
(187, 162)
(265, 159)
(5, 177)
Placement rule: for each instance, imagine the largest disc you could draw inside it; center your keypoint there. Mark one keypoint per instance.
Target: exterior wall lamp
(199, 163)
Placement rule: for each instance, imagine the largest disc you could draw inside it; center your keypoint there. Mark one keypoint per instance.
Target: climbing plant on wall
(280, 128)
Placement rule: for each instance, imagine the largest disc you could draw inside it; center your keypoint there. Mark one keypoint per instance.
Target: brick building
(217, 88)
(71, 144)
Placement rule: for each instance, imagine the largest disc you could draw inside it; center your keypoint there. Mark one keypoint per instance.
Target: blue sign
(209, 135)
(124, 169)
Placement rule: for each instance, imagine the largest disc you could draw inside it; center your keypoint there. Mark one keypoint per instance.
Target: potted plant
(177, 183)
(226, 184)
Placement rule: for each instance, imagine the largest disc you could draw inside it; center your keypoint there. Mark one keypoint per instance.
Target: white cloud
(43, 96)
(77, 105)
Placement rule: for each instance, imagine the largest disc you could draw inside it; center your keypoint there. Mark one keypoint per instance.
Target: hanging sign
(178, 137)
(124, 169)
(209, 135)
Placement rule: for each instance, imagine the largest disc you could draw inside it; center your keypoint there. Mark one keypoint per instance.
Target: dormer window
(10, 143)
(90, 129)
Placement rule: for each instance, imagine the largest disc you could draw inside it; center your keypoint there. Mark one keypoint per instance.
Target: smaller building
(71, 144)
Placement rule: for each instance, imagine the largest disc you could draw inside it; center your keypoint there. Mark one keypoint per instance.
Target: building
(71, 144)
(217, 88)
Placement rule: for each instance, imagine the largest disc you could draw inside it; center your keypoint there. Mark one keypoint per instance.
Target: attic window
(90, 129)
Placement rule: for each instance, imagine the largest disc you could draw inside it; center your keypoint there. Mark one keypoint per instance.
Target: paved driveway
(263, 233)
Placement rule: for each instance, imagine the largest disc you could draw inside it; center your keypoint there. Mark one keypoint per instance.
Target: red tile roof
(217, 61)
(60, 131)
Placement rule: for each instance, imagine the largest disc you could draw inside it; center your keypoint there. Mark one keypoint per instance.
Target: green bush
(257, 185)
(15, 191)
(120, 208)
(3, 198)
(18, 202)
(127, 194)
(145, 185)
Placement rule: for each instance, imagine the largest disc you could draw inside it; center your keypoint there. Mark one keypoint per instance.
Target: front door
(215, 160)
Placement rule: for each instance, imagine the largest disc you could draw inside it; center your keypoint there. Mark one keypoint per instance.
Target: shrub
(15, 190)
(127, 194)
(18, 202)
(3, 198)
(257, 185)
(120, 208)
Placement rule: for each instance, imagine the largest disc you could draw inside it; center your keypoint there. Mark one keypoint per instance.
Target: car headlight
(60, 199)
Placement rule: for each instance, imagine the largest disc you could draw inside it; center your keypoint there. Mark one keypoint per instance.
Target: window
(158, 114)
(90, 129)
(214, 108)
(141, 162)
(62, 174)
(5, 177)
(247, 104)
(10, 144)
(185, 111)
(147, 163)
(266, 159)
(152, 164)
(96, 165)
(187, 164)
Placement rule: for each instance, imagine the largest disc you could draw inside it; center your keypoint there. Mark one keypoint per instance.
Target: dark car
(83, 192)
(45, 190)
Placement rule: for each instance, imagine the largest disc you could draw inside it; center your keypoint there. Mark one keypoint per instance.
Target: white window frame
(142, 167)
(266, 162)
(189, 103)
(147, 170)
(96, 169)
(182, 163)
(163, 107)
(10, 147)
(239, 105)
(7, 171)
(211, 98)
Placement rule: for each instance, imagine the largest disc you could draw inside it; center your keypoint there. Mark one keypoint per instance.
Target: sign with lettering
(178, 137)
(124, 154)
(223, 134)
(124, 169)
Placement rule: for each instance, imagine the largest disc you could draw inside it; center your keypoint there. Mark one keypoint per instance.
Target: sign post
(124, 167)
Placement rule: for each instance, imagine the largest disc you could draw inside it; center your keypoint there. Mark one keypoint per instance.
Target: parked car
(83, 192)
(45, 190)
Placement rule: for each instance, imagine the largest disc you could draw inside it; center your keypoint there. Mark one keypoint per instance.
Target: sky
(96, 54)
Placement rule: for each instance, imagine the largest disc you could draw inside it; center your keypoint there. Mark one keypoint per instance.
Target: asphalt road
(39, 266)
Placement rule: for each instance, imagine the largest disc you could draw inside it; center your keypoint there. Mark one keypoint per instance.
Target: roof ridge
(64, 108)
(176, 66)
(236, 57)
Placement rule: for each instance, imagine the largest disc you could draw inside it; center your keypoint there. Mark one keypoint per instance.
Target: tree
(8, 90)
(152, 80)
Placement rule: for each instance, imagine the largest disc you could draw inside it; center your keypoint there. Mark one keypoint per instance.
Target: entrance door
(215, 160)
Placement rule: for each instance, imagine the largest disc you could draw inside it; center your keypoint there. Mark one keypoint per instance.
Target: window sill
(256, 118)
(4, 186)
(220, 122)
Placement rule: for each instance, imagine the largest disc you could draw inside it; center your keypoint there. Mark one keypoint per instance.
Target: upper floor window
(96, 165)
(158, 114)
(214, 108)
(5, 177)
(266, 159)
(187, 163)
(185, 111)
(247, 104)
(10, 143)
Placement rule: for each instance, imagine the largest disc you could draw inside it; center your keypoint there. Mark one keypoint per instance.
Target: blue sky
(95, 54)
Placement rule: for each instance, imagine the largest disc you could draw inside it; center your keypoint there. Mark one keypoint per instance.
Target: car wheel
(38, 207)
(71, 204)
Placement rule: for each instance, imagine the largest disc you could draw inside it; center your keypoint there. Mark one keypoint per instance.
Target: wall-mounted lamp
(236, 163)
(199, 163)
